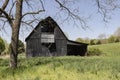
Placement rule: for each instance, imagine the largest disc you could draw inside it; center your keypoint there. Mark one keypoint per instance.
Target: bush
(94, 52)
(92, 42)
(2, 45)
(98, 42)
(6, 51)
(111, 39)
(21, 47)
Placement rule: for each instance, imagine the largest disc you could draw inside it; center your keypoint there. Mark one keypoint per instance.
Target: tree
(21, 47)
(117, 32)
(79, 40)
(102, 36)
(2, 45)
(6, 51)
(98, 42)
(15, 16)
(111, 39)
(92, 42)
(116, 39)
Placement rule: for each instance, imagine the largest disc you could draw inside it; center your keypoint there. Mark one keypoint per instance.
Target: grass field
(111, 49)
(106, 67)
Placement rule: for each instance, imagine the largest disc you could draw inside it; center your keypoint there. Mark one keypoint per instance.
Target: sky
(87, 10)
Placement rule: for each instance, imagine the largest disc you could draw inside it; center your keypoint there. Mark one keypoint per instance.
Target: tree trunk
(14, 48)
(15, 34)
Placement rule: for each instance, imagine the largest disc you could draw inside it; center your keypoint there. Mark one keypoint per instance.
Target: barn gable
(47, 39)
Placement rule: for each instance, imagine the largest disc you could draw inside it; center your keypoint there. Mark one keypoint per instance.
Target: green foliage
(2, 45)
(117, 39)
(79, 40)
(6, 51)
(94, 52)
(111, 39)
(92, 42)
(98, 42)
(21, 48)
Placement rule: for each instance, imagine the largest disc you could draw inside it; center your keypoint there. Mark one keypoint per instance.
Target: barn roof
(50, 21)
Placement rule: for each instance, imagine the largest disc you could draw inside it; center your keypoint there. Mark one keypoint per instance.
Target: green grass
(106, 67)
(111, 49)
(63, 68)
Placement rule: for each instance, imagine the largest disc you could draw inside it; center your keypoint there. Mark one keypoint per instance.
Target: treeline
(5, 47)
(111, 39)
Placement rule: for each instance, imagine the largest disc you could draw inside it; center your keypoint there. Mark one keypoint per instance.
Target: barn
(47, 39)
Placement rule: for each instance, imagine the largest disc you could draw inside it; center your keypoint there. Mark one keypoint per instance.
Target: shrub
(94, 52)
(2, 45)
(21, 47)
(111, 39)
(92, 42)
(98, 42)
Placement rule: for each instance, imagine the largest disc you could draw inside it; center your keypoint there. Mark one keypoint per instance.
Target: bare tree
(102, 36)
(117, 32)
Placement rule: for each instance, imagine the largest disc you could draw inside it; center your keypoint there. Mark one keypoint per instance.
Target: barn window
(47, 38)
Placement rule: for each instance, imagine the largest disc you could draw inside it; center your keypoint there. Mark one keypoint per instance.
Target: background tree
(98, 42)
(2, 45)
(79, 40)
(117, 32)
(102, 36)
(6, 51)
(111, 39)
(92, 42)
(21, 47)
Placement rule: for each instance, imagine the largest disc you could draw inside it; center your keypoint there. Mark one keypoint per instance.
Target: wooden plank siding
(47, 39)
(61, 42)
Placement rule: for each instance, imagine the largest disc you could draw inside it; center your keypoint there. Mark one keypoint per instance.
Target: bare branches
(13, 4)
(101, 10)
(33, 12)
(6, 15)
(4, 5)
(42, 5)
(106, 7)
(30, 13)
(72, 14)
(23, 22)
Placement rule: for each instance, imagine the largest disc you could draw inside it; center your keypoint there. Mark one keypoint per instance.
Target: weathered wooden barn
(47, 39)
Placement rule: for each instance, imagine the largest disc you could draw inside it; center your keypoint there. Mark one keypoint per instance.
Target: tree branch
(42, 4)
(72, 15)
(4, 5)
(30, 13)
(6, 15)
(13, 4)
(23, 22)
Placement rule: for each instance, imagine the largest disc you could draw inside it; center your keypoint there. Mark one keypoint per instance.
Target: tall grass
(111, 49)
(63, 68)
(105, 67)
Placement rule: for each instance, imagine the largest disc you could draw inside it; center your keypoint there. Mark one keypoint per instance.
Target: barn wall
(49, 40)
(34, 44)
(61, 42)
